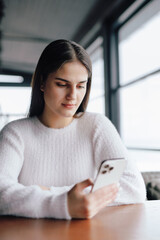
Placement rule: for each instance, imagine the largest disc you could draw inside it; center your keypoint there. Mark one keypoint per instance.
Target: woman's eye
(80, 86)
(67, 85)
(61, 85)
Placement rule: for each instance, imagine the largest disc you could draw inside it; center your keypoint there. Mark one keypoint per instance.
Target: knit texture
(32, 154)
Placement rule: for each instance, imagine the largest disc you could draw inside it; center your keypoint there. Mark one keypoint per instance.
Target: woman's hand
(83, 205)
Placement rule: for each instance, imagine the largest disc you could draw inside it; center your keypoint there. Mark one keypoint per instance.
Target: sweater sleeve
(108, 145)
(27, 201)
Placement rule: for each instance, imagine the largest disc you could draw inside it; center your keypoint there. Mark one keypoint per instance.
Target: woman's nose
(71, 94)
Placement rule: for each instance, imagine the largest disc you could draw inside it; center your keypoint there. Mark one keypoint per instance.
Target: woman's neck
(55, 122)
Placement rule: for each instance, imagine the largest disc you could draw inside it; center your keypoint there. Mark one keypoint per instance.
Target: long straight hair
(52, 58)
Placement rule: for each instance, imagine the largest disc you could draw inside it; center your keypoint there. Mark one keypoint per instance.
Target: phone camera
(106, 166)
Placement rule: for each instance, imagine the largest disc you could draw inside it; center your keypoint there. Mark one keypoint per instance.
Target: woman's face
(64, 90)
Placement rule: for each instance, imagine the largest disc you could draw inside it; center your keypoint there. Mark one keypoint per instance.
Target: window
(97, 101)
(139, 72)
(14, 103)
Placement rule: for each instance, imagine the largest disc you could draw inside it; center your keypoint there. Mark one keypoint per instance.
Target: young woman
(47, 160)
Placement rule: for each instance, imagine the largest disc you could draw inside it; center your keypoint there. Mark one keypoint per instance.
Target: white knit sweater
(32, 154)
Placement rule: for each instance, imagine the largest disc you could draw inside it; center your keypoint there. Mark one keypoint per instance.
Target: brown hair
(52, 58)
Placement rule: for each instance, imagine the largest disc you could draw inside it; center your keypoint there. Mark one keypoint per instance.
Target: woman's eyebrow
(64, 80)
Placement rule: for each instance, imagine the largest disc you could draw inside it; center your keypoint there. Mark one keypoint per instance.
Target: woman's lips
(69, 106)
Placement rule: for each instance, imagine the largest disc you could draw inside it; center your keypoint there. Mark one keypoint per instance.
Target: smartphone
(109, 172)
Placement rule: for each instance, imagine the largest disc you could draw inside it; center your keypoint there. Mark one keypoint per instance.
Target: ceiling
(29, 25)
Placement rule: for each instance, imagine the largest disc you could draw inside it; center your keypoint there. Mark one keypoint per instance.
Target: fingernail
(91, 180)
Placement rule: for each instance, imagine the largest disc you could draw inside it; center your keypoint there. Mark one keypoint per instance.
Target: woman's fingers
(86, 206)
(82, 185)
(106, 193)
(101, 198)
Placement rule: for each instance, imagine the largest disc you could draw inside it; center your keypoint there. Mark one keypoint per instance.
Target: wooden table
(139, 222)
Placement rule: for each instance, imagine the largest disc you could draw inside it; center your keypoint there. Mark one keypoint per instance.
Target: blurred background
(122, 38)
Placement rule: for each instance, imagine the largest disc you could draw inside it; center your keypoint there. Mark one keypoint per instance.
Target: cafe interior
(123, 40)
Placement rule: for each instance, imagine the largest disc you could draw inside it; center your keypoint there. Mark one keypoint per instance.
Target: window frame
(112, 78)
